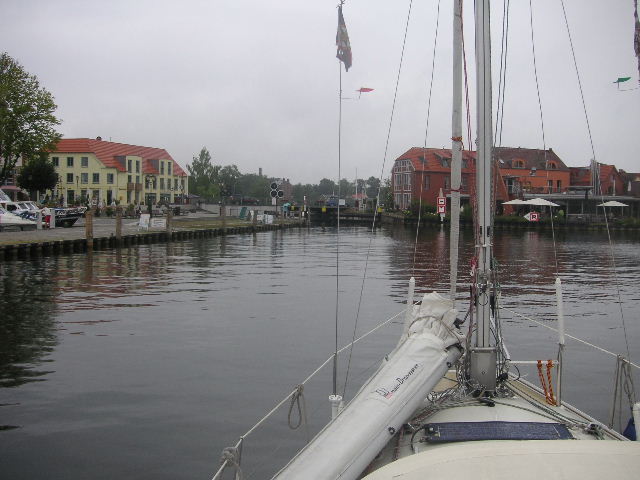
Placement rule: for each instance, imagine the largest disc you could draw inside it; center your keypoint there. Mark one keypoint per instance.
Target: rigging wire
(542, 129)
(502, 80)
(424, 146)
(335, 358)
(596, 166)
(375, 212)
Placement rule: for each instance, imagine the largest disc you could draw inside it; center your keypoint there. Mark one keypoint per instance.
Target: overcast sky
(256, 81)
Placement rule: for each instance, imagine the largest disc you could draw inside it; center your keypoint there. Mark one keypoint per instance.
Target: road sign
(532, 216)
(442, 201)
(442, 209)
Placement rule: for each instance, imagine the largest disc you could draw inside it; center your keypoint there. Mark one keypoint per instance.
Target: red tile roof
(531, 158)
(107, 152)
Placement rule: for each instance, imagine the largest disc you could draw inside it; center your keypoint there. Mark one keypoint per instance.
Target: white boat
(11, 221)
(447, 401)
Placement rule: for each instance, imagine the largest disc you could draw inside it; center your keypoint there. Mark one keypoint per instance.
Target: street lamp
(149, 180)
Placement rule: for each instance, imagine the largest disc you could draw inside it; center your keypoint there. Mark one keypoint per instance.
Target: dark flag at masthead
(342, 41)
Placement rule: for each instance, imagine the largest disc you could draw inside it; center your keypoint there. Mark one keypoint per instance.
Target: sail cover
(344, 448)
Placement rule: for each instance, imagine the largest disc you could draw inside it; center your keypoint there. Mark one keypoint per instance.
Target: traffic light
(275, 190)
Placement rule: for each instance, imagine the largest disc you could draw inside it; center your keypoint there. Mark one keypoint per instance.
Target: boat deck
(487, 426)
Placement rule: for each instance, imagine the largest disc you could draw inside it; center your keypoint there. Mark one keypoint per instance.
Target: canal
(145, 362)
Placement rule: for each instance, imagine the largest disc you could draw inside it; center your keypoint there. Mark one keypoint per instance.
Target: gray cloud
(257, 81)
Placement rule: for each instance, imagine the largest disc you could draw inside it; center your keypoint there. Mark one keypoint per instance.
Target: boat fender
(392, 431)
(630, 431)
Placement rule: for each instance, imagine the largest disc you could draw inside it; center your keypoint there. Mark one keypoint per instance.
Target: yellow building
(104, 172)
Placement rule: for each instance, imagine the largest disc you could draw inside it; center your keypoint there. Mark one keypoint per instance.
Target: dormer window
(444, 162)
(517, 163)
(552, 165)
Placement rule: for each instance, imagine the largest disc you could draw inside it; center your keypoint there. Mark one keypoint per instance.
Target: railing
(231, 456)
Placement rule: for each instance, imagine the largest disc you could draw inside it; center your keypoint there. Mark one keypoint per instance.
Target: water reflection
(28, 327)
(179, 347)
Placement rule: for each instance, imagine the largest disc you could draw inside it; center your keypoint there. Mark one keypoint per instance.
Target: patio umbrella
(517, 201)
(613, 203)
(541, 202)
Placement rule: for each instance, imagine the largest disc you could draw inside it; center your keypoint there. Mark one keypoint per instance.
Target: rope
(426, 134)
(230, 457)
(552, 400)
(296, 398)
(548, 394)
(375, 212)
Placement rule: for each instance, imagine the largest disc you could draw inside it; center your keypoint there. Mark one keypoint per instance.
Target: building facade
(104, 172)
(421, 173)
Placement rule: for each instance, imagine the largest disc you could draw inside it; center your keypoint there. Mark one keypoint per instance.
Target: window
(162, 183)
(517, 164)
(550, 185)
(161, 168)
(444, 162)
(109, 177)
(396, 181)
(175, 184)
(129, 164)
(137, 166)
(137, 178)
(84, 162)
(69, 161)
(56, 161)
(69, 177)
(559, 183)
(407, 181)
(84, 178)
(168, 168)
(427, 182)
(465, 163)
(447, 183)
(552, 165)
(128, 178)
(95, 178)
(407, 200)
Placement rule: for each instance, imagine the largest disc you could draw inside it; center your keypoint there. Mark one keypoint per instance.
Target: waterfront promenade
(65, 240)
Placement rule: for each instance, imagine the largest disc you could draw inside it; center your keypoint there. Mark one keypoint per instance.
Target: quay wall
(76, 245)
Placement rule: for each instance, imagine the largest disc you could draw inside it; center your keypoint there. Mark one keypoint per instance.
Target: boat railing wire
(228, 458)
(584, 342)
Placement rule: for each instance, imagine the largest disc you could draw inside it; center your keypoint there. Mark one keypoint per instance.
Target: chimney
(98, 138)
(260, 171)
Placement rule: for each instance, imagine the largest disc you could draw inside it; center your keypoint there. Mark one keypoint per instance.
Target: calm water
(145, 363)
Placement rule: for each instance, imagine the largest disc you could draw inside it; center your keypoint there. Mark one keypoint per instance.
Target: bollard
(169, 219)
(118, 225)
(88, 227)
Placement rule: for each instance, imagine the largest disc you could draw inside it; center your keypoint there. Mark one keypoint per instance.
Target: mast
(483, 355)
(456, 147)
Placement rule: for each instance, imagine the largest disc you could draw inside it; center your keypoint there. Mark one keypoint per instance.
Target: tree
(38, 174)
(227, 177)
(327, 187)
(202, 176)
(373, 184)
(27, 120)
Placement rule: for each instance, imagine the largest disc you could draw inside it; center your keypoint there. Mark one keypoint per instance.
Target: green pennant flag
(622, 79)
